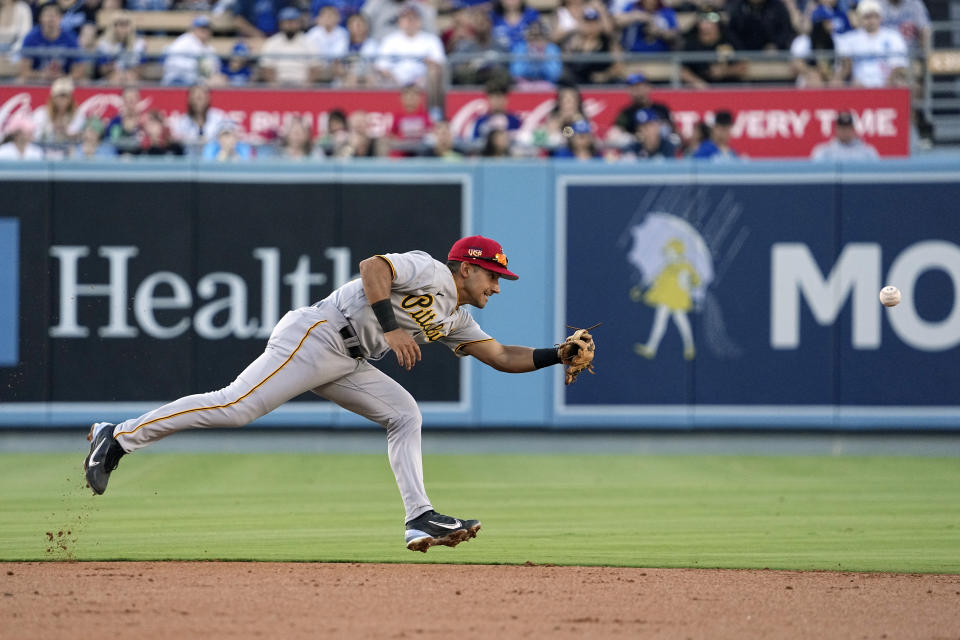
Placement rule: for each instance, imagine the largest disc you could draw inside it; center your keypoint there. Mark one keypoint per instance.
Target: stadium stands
(936, 96)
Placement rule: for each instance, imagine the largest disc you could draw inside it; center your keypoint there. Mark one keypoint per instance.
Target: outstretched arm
(508, 358)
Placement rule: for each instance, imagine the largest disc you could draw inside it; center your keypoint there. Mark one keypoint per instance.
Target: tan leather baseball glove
(576, 353)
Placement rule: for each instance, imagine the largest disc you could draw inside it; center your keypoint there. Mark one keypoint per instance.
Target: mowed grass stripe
(844, 513)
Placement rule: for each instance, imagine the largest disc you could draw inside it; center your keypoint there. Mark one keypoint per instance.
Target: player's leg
(374, 395)
(302, 352)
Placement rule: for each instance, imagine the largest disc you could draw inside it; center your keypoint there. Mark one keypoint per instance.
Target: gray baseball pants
(304, 353)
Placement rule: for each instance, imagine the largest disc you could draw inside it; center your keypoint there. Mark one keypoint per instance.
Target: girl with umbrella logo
(670, 296)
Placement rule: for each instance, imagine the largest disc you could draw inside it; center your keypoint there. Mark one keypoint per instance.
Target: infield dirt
(212, 600)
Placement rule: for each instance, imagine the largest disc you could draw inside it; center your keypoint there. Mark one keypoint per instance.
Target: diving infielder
(400, 301)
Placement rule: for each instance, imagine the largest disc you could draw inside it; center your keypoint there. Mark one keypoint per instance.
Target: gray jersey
(424, 298)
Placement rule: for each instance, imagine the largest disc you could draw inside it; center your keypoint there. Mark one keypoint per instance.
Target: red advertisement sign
(769, 123)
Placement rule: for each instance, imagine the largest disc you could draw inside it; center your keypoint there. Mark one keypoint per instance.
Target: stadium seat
(544, 6)
(223, 45)
(7, 68)
(173, 22)
(944, 62)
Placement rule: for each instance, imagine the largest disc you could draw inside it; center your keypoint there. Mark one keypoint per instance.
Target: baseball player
(400, 301)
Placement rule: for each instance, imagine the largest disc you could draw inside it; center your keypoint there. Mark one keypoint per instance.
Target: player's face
(479, 285)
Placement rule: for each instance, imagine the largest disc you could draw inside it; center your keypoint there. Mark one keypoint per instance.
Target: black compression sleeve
(385, 316)
(545, 357)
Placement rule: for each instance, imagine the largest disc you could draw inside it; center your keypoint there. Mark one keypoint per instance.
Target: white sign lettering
(856, 276)
(225, 295)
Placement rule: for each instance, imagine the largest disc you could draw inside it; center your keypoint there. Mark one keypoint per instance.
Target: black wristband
(383, 309)
(545, 357)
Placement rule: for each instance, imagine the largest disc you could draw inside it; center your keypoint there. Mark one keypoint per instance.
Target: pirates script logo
(420, 308)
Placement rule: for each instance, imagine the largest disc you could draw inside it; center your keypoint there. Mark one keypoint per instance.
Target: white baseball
(890, 296)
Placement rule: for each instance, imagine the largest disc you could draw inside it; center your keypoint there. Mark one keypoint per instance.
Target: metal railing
(941, 85)
(935, 95)
(667, 66)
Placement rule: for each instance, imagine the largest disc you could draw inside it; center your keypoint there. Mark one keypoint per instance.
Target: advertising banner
(740, 294)
(136, 291)
(768, 123)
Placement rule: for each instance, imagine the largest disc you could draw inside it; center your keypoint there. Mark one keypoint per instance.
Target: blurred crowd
(419, 45)
(643, 131)
(396, 42)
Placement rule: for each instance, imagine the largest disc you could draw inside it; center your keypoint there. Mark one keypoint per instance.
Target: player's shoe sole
(421, 541)
(430, 529)
(105, 454)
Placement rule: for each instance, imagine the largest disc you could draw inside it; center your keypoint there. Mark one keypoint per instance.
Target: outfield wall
(126, 285)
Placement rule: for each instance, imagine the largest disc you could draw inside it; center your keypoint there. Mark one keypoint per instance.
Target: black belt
(351, 342)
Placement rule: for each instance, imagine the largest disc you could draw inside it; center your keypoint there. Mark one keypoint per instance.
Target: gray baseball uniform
(324, 348)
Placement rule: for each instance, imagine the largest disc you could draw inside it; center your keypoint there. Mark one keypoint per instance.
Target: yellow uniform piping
(393, 272)
(464, 344)
(222, 406)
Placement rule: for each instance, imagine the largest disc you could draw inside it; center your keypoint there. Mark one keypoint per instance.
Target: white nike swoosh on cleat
(456, 525)
(92, 463)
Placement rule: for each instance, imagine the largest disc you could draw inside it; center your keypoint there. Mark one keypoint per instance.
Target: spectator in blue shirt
(227, 146)
(346, 8)
(717, 147)
(648, 26)
(581, 143)
(75, 13)
(253, 18)
(91, 143)
(46, 66)
(497, 116)
(537, 59)
(510, 21)
(239, 66)
(828, 10)
(650, 141)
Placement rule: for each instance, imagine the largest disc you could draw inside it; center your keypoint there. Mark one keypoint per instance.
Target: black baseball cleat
(432, 528)
(104, 456)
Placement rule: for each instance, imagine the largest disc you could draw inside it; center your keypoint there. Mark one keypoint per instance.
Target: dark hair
(703, 130)
(498, 7)
(489, 150)
(51, 3)
(593, 144)
(820, 38)
(535, 28)
(497, 84)
(723, 118)
(191, 113)
(565, 84)
(337, 114)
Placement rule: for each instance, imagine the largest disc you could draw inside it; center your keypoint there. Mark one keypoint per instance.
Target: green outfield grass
(846, 513)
